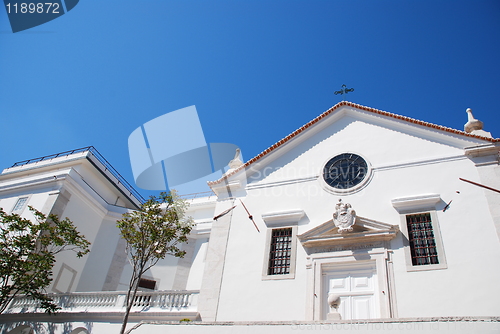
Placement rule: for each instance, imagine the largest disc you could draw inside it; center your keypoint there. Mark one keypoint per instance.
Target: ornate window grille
(280, 252)
(422, 242)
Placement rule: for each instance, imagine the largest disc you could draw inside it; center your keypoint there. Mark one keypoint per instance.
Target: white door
(357, 289)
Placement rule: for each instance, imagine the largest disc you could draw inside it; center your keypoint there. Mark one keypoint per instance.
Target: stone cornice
(290, 217)
(427, 201)
(482, 150)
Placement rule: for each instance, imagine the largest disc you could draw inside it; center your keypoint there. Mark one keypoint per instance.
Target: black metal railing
(99, 157)
(52, 156)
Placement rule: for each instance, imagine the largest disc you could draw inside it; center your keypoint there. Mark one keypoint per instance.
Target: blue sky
(256, 70)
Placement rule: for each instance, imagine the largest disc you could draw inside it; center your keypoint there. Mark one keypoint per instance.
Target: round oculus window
(345, 171)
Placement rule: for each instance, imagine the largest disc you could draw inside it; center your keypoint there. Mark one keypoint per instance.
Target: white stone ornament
(333, 302)
(236, 162)
(344, 217)
(475, 126)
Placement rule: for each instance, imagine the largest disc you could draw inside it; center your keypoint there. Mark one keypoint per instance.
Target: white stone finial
(474, 126)
(472, 123)
(236, 162)
(470, 117)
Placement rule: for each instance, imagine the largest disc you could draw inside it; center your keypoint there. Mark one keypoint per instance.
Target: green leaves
(155, 231)
(27, 254)
(151, 233)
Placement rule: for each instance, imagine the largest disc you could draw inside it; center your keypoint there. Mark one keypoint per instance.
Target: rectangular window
(20, 204)
(280, 253)
(422, 241)
(147, 283)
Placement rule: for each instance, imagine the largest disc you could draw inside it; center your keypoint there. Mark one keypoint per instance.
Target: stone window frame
(275, 221)
(293, 255)
(415, 205)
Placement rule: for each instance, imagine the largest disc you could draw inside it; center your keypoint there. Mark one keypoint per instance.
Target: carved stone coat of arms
(344, 217)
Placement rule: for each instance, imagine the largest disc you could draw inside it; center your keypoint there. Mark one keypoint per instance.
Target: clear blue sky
(256, 70)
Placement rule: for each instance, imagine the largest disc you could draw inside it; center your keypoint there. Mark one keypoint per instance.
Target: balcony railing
(119, 179)
(108, 301)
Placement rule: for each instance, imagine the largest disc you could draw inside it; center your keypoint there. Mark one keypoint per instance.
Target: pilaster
(214, 263)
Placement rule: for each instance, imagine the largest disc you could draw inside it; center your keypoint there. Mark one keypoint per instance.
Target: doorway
(357, 287)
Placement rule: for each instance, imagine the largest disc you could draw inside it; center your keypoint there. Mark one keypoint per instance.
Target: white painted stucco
(414, 168)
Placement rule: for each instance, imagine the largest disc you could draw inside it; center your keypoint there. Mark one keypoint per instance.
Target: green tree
(27, 254)
(151, 233)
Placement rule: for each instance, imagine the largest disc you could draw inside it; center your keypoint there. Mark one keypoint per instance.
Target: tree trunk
(130, 302)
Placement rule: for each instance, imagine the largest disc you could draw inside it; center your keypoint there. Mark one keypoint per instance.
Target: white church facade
(359, 215)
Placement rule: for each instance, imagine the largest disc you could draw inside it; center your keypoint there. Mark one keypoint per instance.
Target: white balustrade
(175, 301)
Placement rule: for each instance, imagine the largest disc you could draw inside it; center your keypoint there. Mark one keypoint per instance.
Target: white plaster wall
(7, 204)
(37, 198)
(467, 287)
(347, 327)
(490, 176)
(452, 326)
(87, 220)
(163, 273)
(244, 295)
(380, 146)
(90, 207)
(99, 260)
(198, 265)
(99, 183)
(201, 213)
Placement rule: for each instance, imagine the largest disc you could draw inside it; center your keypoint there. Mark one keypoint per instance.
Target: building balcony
(109, 306)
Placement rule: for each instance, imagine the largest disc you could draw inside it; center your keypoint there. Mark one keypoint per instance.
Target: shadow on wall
(42, 328)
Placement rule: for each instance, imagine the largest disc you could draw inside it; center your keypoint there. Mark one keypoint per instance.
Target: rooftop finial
(236, 162)
(475, 126)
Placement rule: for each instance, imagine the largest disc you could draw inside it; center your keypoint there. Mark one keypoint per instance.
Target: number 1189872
(33, 8)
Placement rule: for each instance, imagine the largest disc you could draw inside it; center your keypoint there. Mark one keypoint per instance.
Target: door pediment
(364, 231)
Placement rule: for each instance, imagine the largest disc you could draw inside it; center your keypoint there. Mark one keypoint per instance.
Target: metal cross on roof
(344, 90)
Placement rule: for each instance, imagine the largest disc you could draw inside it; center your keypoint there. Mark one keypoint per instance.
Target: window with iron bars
(280, 252)
(422, 241)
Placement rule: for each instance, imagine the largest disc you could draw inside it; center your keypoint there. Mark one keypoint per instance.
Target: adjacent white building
(359, 215)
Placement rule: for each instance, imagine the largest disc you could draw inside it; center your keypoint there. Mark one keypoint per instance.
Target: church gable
(381, 139)
(348, 127)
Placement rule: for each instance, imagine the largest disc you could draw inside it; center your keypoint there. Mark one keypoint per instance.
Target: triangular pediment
(349, 120)
(363, 231)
